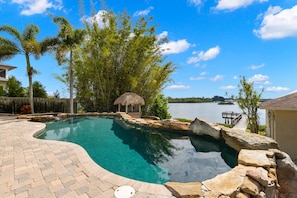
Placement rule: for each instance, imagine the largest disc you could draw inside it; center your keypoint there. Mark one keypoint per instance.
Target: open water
(210, 111)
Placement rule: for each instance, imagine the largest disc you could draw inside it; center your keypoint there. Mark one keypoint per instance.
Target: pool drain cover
(124, 192)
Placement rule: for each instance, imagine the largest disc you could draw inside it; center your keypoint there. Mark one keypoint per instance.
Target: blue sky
(212, 42)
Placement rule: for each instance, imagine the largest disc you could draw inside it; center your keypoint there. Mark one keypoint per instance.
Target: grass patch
(226, 125)
(261, 131)
(183, 119)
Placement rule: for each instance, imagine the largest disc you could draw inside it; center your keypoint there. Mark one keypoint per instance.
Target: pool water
(145, 154)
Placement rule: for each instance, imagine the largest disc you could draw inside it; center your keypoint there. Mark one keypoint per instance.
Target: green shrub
(160, 107)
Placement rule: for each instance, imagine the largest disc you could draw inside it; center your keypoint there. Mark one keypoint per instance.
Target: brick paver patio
(30, 167)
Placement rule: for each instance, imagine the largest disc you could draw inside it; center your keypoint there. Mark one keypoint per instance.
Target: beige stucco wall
(282, 126)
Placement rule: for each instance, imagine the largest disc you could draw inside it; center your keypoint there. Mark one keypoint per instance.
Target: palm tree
(24, 43)
(67, 40)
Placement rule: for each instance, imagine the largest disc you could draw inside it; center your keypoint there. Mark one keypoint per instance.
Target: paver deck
(31, 167)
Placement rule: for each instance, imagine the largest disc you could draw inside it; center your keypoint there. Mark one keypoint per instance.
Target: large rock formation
(203, 127)
(242, 140)
(236, 139)
(286, 174)
(253, 177)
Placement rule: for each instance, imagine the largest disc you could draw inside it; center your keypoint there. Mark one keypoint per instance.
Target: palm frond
(8, 49)
(65, 31)
(49, 44)
(30, 32)
(12, 31)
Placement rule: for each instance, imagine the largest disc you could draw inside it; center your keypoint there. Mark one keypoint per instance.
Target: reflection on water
(208, 144)
(150, 144)
(145, 154)
(193, 158)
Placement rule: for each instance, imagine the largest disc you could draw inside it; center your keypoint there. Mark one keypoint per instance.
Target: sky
(213, 43)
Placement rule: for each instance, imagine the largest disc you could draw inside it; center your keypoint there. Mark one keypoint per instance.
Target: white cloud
(99, 18)
(259, 79)
(229, 87)
(197, 78)
(163, 35)
(195, 2)
(276, 89)
(143, 12)
(254, 67)
(175, 47)
(278, 23)
(235, 4)
(178, 87)
(204, 56)
(217, 78)
(200, 77)
(31, 7)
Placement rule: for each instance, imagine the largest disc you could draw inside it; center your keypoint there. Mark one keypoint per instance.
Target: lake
(209, 111)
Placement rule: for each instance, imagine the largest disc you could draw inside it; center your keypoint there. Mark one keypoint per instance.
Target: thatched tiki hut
(132, 103)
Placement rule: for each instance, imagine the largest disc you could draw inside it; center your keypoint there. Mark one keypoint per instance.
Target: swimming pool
(145, 154)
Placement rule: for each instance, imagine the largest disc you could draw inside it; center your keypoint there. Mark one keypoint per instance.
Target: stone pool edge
(257, 173)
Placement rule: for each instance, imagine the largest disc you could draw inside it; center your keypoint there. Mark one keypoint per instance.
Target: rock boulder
(286, 174)
(225, 184)
(185, 190)
(203, 127)
(257, 158)
(243, 140)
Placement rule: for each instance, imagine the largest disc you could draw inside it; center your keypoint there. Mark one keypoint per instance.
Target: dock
(231, 117)
(237, 120)
(241, 124)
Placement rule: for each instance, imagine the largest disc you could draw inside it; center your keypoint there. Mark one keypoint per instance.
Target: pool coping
(23, 169)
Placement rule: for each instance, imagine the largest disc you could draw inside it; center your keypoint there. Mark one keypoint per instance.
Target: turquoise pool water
(145, 154)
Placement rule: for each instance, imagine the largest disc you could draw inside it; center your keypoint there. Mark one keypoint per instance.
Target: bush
(160, 108)
(26, 109)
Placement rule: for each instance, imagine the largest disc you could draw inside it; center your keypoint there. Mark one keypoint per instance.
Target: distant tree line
(196, 99)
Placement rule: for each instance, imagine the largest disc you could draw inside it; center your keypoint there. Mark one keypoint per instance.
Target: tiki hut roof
(288, 102)
(129, 98)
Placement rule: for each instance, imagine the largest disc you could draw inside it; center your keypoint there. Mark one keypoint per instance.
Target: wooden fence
(13, 105)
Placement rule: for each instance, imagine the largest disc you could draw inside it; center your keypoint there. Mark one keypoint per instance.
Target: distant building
(281, 122)
(4, 76)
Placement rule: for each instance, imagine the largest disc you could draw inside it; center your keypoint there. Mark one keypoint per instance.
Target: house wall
(3, 79)
(284, 130)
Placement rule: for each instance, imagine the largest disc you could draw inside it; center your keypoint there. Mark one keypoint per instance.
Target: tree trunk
(71, 83)
(30, 75)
